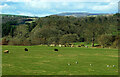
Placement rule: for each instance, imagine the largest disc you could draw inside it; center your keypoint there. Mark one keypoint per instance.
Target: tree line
(64, 30)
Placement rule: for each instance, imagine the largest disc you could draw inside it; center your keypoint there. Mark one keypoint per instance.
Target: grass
(43, 60)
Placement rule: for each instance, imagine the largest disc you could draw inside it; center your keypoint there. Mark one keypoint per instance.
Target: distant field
(43, 60)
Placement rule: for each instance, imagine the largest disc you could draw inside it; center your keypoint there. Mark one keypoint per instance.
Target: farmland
(43, 60)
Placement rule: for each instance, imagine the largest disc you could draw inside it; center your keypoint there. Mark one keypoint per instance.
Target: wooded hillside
(63, 30)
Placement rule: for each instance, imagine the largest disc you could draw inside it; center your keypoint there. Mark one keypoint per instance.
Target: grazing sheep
(86, 46)
(76, 62)
(108, 66)
(69, 64)
(55, 49)
(60, 45)
(52, 45)
(72, 45)
(90, 64)
(79, 46)
(65, 45)
(26, 49)
(6, 51)
(113, 65)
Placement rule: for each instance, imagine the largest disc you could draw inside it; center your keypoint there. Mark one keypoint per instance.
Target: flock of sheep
(7, 51)
(68, 45)
(53, 45)
(69, 64)
(91, 64)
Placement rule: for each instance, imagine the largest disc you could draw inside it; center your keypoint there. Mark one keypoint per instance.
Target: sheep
(65, 45)
(55, 49)
(72, 45)
(113, 65)
(6, 51)
(76, 62)
(69, 64)
(86, 46)
(60, 45)
(108, 66)
(26, 49)
(79, 46)
(52, 45)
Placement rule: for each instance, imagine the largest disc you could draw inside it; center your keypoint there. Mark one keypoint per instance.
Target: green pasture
(43, 60)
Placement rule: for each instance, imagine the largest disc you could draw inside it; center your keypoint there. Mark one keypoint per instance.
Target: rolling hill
(81, 14)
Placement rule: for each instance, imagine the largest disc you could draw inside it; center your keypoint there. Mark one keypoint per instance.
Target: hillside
(56, 29)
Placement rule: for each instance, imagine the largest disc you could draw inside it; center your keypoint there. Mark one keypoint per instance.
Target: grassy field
(43, 60)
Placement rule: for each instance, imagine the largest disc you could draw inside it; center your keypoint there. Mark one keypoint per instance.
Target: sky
(43, 8)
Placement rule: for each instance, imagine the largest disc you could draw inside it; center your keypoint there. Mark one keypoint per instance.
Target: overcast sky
(48, 7)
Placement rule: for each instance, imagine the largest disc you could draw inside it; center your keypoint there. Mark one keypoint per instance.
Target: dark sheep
(55, 49)
(79, 46)
(26, 49)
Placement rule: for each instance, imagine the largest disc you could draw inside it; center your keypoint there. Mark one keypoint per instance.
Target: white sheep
(108, 66)
(69, 64)
(113, 65)
(76, 62)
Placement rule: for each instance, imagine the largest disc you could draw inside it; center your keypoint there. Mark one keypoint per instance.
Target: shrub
(116, 43)
(105, 40)
(68, 38)
(15, 41)
(4, 41)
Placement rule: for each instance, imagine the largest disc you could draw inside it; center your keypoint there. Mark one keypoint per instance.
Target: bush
(105, 40)
(38, 41)
(26, 42)
(68, 38)
(4, 41)
(15, 41)
(52, 40)
(116, 43)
